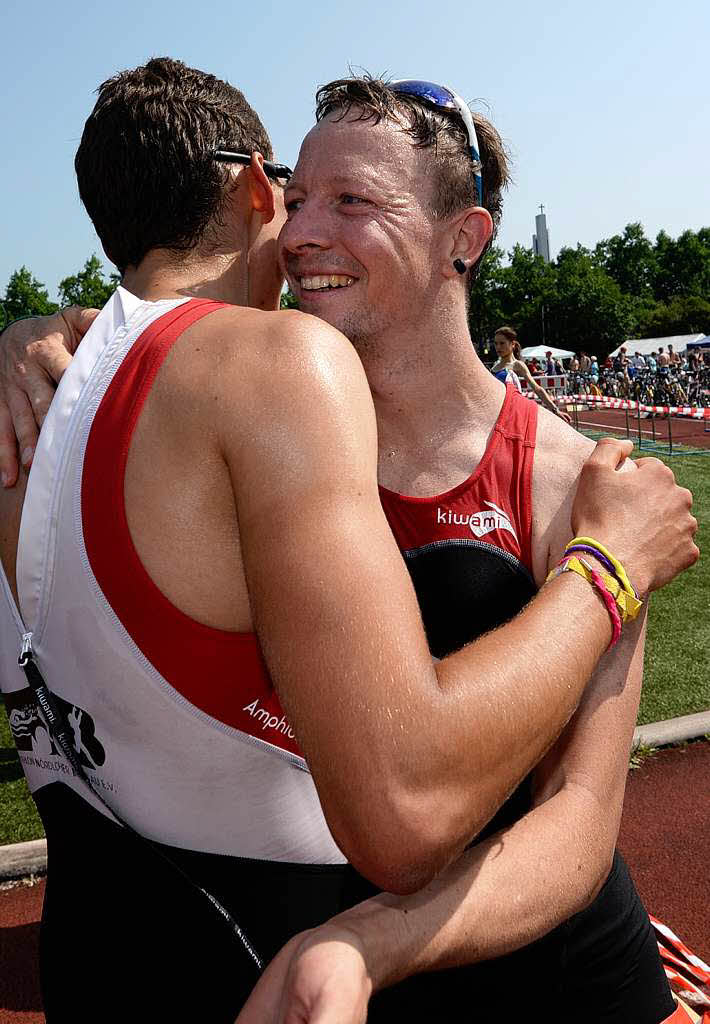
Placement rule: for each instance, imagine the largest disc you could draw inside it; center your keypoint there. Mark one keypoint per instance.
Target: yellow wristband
(629, 605)
(618, 567)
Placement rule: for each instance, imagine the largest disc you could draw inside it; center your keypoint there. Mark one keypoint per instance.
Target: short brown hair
(428, 127)
(144, 165)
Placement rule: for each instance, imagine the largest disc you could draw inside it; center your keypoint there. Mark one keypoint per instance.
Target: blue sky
(605, 106)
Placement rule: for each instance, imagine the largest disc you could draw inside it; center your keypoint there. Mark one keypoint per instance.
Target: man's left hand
(319, 977)
(33, 356)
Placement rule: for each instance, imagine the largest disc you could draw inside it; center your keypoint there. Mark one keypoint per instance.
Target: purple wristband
(598, 555)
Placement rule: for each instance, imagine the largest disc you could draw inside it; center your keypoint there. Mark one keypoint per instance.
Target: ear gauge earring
(460, 267)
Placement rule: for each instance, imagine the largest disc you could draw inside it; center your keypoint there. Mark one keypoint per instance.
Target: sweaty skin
(390, 700)
(440, 758)
(517, 885)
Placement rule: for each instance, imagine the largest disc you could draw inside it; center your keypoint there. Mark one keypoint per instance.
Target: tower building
(541, 239)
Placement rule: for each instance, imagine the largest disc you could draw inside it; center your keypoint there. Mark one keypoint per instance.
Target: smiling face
(361, 247)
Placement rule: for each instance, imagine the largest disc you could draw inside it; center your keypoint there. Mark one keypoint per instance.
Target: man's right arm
(410, 758)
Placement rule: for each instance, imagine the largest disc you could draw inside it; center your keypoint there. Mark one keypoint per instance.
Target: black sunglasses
(271, 170)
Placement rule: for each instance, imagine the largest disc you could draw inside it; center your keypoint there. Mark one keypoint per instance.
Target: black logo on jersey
(32, 736)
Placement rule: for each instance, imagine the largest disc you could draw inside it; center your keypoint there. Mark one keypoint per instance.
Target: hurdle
(659, 445)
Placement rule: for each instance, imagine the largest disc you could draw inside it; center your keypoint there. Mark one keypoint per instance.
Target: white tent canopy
(647, 345)
(540, 352)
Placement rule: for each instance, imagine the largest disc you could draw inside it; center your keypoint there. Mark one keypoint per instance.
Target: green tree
(25, 296)
(683, 264)
(630, 260)
(683, 314)
(485, 312)
(528, 295)
(288, 300)
(589, 311)
(88, 288)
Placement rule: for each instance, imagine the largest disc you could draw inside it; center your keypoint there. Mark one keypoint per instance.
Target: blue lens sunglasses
(442, 98)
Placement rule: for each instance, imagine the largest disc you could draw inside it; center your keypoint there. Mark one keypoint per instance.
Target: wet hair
(144, 165)
(371, 99)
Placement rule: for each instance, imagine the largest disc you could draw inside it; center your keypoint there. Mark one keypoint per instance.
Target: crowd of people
(662, 376)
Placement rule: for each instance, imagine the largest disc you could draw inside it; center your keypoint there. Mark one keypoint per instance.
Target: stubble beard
(363, 329)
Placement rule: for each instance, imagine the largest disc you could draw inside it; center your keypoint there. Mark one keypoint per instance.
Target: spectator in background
(559, 368)
(651, 362)
(662, 358)
(638, 361)
(673, 356)
(693, 356)
(620, 359)
(594, 369)
(574, 364)
(549, 364)
(510, 368)
(584, 362)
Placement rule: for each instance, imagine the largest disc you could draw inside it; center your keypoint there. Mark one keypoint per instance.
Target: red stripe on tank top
(220, 672)
(493, 505)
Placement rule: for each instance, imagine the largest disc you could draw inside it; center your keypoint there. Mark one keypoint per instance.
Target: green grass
(18, 816)
(676, 673)
(677, 668)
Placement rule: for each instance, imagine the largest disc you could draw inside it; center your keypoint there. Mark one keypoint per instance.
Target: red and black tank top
(468, 550)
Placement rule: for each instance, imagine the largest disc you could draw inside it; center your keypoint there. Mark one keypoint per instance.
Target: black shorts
(124, 939)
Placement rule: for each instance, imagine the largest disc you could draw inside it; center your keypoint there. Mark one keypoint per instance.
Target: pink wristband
(610, 606)
(606, 596)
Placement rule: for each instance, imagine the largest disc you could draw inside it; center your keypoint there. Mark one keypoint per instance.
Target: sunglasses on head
(442, 98)
(279, 172)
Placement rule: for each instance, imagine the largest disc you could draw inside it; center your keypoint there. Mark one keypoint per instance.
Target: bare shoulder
(560, 453)
(282, 341)
(283, 383)
(241, 363)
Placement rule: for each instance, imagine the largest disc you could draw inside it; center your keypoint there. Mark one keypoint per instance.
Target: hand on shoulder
(642, 516)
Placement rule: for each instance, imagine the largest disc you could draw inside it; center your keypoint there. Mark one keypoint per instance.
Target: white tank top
(173, 771)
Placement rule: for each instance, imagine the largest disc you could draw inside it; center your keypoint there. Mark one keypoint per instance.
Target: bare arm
(502, 894)
(340, 629)
(522, 371)
(516, 886)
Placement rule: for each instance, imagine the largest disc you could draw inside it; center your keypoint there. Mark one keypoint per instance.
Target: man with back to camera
(372, 325)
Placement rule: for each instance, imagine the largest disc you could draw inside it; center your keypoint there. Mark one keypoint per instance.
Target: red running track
(686, 432)
(665, 837)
